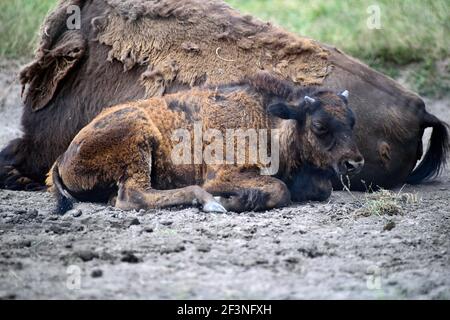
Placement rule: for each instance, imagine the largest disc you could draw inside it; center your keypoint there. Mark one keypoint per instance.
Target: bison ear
(40, 79)
(282, 111)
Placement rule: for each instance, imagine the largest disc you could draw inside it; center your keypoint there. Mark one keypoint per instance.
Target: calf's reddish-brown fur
(125, 154)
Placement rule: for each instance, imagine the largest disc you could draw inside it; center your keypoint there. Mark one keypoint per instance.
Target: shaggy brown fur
(221, 42)
(54, 59)
(136, 49)
(131, 146)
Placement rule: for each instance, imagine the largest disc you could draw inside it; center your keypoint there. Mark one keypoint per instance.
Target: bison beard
(134, 49)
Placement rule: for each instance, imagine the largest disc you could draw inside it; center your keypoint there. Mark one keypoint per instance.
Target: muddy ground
(316, 250)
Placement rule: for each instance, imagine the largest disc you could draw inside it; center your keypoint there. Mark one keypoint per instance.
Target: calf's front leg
(241, 191)
(132, 196)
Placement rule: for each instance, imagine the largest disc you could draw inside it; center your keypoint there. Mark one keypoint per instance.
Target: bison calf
(125, 155)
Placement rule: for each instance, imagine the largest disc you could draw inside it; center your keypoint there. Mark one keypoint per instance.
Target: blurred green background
(413, 42)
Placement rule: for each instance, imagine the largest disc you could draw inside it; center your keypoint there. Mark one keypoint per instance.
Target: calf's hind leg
(116, 149)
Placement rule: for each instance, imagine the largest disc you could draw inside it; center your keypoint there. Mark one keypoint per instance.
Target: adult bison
(133, 49)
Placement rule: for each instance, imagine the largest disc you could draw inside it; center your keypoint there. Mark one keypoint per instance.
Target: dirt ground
(316, 250)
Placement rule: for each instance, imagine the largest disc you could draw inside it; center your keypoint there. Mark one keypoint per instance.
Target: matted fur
(58, 52)
(195, 42)
(44, 74)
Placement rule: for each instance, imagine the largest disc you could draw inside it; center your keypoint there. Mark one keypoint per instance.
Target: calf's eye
(319, 128)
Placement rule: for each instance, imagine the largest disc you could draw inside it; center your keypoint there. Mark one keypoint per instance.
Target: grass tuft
(385, 203)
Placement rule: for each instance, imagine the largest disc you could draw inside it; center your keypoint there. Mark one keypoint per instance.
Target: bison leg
(12, 160)
(133, 197)
(241, 191)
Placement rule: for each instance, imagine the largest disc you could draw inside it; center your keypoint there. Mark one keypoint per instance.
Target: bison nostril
(349, 165)
(354, 165)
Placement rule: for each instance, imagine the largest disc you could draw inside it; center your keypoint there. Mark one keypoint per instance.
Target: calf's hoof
(214, 207)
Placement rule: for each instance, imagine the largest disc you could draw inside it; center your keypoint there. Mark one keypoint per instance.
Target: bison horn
(345, 94)
(309, 100)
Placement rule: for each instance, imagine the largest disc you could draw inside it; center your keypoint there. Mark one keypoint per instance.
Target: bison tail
(436, 157)
(64, 199)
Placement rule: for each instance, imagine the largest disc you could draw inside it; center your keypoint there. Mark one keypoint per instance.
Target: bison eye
(319, 128)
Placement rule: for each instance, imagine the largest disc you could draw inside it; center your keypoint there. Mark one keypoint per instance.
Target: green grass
(19, 25)
(412, 32)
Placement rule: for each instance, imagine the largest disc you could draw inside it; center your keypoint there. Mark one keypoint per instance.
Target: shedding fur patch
(41, 77)
(58, 52)
(396, 125)
(193, 39)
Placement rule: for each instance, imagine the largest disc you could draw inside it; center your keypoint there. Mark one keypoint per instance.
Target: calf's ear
(283, 111)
